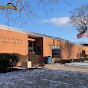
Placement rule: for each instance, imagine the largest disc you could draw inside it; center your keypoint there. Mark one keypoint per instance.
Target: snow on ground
(80, 64)
(43, 78)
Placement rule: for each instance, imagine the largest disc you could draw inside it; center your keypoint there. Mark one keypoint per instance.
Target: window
(38, 50)
(83, 51)
(55, 51)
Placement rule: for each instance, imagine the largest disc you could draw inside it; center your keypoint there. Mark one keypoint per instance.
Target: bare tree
(19, 9)
(79, 17)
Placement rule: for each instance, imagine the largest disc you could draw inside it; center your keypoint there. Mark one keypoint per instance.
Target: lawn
(43, 78)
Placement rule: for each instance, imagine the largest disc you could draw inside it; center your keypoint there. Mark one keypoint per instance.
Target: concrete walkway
(67, 68)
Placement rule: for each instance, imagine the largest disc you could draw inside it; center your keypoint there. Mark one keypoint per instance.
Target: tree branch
(11, 7)
(17, 3)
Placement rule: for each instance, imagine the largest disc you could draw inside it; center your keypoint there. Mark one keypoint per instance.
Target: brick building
(14, 40)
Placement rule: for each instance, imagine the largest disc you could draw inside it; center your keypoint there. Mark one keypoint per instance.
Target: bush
(4, 64)
(65, 61)
(8, 60)
(41, 61)
(14, 59)
(36, 60)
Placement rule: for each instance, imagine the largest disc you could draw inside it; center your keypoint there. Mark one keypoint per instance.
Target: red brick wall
(64, 50)
(47, 47)
(13, 42)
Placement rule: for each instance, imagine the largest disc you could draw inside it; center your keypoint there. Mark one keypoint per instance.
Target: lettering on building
(9, 40)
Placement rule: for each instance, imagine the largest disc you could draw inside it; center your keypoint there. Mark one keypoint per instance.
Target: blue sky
(54, 23)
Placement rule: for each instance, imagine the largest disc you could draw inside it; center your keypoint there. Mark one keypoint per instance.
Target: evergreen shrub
(8, 60)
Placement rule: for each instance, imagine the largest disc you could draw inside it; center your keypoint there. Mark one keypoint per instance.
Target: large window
(55, 51)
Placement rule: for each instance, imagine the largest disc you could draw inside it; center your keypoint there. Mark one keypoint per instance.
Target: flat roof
(34, 34)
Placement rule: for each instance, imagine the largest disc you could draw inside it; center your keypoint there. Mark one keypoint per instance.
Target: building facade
(23, 42)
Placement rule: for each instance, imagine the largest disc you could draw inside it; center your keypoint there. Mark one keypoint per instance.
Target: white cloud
(44, 21)
(64, 21)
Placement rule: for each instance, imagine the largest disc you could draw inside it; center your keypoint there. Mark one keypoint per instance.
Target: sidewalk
(67, 68)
